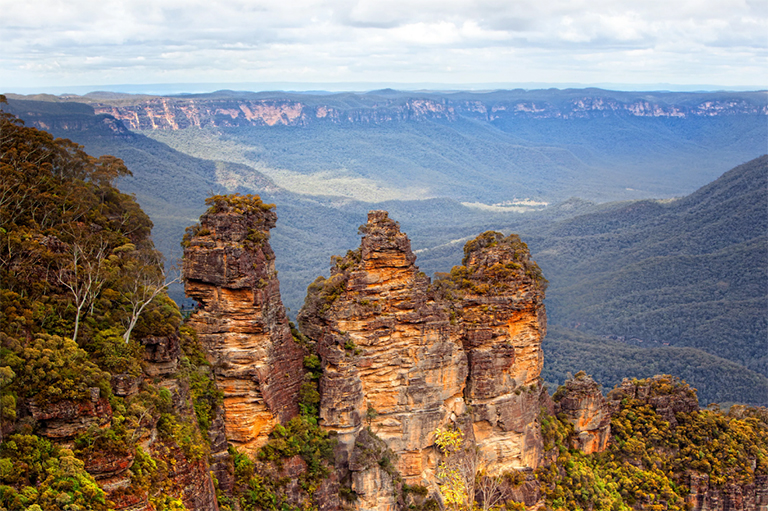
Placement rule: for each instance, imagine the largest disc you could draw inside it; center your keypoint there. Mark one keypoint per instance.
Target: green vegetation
(690, 273)
(35, 471)
(82, 286)
(264, 484)
(513, 264)
(456, 475)
(237, 204)
(206, 397)
(716, 379)
(649, 462)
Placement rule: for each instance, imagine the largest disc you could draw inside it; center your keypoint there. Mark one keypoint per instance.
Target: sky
(56, 45)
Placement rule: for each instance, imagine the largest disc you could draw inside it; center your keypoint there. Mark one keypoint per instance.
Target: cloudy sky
(50, 44)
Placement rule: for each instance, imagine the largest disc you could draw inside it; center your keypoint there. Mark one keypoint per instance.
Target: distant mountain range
(239, 109)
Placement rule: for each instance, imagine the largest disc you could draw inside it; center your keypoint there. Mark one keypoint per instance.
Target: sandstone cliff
(403, 357)
(163, 113)
(229, 270)
(503, 321)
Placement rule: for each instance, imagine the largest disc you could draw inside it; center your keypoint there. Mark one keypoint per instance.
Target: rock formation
(63, 420)
(731, 497)
(660, 392)
(402, 357)
(229, 270)
(503, 322)
(585, 407)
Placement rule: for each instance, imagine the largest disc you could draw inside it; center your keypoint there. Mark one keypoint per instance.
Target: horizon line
(361, 86)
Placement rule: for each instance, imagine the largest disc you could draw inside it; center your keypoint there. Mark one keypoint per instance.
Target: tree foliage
(650, 461)
(81, 286)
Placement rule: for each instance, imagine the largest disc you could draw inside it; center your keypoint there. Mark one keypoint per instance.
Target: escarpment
(403, 357)
(229, 270)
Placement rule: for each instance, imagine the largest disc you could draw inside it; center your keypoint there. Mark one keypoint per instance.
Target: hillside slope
(692, 272)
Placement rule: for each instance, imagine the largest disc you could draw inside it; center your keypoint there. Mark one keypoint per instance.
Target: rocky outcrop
(745, 489)
(402, 356)
(502, 319)
(229, 270)
(392, 360)
(161, 354)
(585, 407)
(731, 497)
(664, 393)
(66, 419)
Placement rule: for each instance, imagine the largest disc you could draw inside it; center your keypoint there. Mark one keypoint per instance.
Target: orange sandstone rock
(229, 270)
(403, 356)
(585, 407)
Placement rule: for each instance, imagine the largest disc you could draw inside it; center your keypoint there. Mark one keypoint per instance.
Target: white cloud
(48, 42)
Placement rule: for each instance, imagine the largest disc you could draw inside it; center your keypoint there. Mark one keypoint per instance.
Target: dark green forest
(691, 273)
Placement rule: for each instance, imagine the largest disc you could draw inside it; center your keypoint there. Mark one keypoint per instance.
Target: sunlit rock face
(503, 322)
(405, 356)
(585, 407)
(229, 270)
(392, 359)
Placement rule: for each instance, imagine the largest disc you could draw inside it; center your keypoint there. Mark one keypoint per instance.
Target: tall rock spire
(229, 269)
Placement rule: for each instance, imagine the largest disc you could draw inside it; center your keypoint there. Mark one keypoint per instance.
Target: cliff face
(180, 113)
(405, 357)
(391, 358)
(229, 270)
(503, 322)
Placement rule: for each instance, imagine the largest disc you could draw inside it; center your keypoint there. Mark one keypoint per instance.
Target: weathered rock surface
(66, 419)
(229, 270)
(404, 357)
(161, 354)
(125, 385)
(391, 358)
(731, 497)
(585, 407)
(503, 322)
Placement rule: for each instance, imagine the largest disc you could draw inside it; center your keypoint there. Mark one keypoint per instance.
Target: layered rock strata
(585, 407)
(503, 322)
(392, 360)
(229, 270)
(64, 420)
(402, 356)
